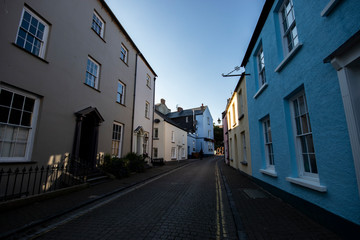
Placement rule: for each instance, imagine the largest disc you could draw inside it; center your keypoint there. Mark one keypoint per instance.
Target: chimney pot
(162, 101)
(179, 109)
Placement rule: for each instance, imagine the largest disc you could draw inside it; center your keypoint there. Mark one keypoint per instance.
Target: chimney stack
(162, 101)
(202, 107)
(179, 109)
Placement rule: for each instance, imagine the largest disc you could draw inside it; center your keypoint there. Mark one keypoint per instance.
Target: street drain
(254, 193)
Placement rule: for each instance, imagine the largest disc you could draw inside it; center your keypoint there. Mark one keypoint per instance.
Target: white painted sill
(263, 87)
(329, 7)
(307, 183)
(270, 172)
(288, 57)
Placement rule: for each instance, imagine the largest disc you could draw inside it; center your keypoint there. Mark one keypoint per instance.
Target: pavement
(257, 213)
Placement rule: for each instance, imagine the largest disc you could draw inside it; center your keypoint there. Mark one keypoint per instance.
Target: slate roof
(169, 120)
(186, 112)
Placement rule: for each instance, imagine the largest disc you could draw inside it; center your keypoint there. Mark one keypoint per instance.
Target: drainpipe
(133, 111)
(152, 124)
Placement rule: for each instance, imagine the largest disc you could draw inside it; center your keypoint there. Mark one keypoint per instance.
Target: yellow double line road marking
(221, 231)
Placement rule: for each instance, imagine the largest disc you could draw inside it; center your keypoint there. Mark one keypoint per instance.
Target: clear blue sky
(189, 44)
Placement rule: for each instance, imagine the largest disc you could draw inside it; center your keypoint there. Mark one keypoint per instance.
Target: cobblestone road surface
(190, 203)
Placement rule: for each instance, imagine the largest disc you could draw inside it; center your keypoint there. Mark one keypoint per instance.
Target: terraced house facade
(303, 98)
(68, 81)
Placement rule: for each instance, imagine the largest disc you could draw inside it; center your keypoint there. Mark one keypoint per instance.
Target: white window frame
(269, 150)
(291, 30)
(117, 140)
(147, 109)
(120, 97)
(173, 152)
(261, 67)
(31, 128)
(95, 75)
(124, 53)
(102, 28)
(208, 120)
(172, 136)
(30, 37)
(312, 176)
(187, 119)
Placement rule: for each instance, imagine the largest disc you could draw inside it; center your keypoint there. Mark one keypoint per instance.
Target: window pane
(27, 16)
(313, 163)
(310, 143)
(9, 133)
(5, 98)
(26, 119)
(2, 132)
(29, 104)
(304, 145)
(22, 135)
(304, 124)
(18, 101)
(15, 116)
(25, 24)
(5, 149)
(19, 150)
(306, 163)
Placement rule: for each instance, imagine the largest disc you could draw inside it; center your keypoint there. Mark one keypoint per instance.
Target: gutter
(133, 111)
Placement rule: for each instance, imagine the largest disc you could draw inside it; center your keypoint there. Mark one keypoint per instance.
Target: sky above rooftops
(189, 44)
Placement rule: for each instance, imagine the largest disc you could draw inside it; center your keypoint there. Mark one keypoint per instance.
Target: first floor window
(92, 73)
(289, 25)
(172, 136)
(98, 25)
(155, 152)
(261, 67)
(156, 133)
(148, 80)
(117, 139)
(18, 113)
(120, 96)
(32, 33)
(303, 134)
(269, 153)
(173, 152)
(123, 54)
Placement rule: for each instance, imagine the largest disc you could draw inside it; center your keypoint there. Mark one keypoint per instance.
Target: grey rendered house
(67, 82)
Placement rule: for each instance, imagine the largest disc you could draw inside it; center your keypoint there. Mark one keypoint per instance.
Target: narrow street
(190, 203)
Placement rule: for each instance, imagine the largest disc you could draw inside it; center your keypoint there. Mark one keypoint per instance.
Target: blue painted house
(303, 96)
(199, 124)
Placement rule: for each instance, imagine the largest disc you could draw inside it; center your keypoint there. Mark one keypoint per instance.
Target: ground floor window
(303, 136)
(18, 114)
(155, 152)
(117, 139)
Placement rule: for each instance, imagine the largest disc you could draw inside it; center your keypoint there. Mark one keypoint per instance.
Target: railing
(23, 182)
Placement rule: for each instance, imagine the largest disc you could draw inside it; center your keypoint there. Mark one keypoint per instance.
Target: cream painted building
(238, 129)
(67, 82)
(143, 107)
(169, 139)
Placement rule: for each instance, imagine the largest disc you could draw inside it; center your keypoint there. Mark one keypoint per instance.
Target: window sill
(92, 88)
(244, 163)
(263, 87)
(98, 35)
(329, 7)
(122, 104)
(270, 172)
(307, 183)
(288, 57)
(16, 162)
(40, 58)
(124, 62)
(241, 116)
